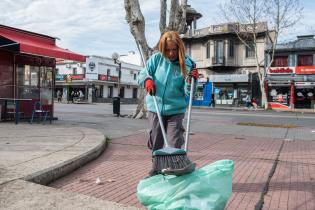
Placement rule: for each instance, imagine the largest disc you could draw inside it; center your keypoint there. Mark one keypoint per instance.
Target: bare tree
(261, 18)
(136, 21)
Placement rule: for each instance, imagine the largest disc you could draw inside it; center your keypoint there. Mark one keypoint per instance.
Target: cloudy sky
(98, 27)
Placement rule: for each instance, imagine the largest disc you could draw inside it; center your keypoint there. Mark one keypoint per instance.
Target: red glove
(194, 73)
(150, 86)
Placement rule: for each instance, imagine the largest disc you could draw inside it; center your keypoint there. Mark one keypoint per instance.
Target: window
(74, 71)
(219, 49)
(218, 52)
(134, 76)
(57, 71)
(250, 50)
(231, 48)
(208, 50)
(280, 61)
(28, 81)
(305, 60)
(108, 72)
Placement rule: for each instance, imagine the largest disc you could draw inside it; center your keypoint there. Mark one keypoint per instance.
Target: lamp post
(116, 101)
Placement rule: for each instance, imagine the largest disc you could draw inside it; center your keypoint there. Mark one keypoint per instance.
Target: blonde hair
(174, 36)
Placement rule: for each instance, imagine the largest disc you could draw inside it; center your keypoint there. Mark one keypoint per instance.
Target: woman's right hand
(150, 86)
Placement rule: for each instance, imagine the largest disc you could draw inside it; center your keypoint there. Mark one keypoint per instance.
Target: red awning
(37, 44)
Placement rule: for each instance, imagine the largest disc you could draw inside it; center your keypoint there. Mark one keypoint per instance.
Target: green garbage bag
(207, 188)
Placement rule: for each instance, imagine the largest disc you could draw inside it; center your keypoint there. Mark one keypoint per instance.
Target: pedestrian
(168, 76)
(59, 96)
(212, 103)
(248, 101)
(254, 103)
(81, 95)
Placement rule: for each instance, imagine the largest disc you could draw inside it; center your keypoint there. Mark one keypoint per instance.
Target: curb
(51, 174)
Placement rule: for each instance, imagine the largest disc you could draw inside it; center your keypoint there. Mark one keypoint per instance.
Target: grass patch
(266, 125)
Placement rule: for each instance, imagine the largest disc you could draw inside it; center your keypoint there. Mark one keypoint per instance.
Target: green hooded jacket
(171, 86)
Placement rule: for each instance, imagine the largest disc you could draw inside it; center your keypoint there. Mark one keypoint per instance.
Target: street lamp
(116, 101)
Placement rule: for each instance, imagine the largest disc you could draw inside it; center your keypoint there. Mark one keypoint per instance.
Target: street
(101, 117)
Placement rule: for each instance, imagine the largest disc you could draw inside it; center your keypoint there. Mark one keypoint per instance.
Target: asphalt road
(101, 117)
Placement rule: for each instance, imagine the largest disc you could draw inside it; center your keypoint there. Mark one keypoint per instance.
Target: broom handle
(154, 98)
(160, 121)
(189, 112)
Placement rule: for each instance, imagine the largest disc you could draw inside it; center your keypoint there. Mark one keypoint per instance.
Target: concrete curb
(51, 174)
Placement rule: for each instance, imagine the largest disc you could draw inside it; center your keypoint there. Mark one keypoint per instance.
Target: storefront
(27, 70)
(305, 87)
(290, 87)
(231, 89)
(279, 87)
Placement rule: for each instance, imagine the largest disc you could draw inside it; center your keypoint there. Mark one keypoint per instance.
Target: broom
(169, 160)
(173, 161)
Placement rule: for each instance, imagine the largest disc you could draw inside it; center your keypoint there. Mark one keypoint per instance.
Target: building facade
(98, 79)
(227, 62)
(290, 81)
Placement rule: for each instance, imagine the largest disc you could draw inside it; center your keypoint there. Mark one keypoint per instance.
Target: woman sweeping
(167, 75)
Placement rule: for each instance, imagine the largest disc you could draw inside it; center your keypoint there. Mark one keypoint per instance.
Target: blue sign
(59, 77)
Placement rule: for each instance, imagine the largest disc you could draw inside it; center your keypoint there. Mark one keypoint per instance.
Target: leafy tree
(253, 15)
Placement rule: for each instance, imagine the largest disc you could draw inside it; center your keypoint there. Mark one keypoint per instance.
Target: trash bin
(116, 105)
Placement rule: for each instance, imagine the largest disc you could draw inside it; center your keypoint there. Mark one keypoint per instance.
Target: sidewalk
(38, 153)
(276, 172)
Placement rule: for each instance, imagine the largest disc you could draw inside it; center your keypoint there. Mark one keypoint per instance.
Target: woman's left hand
(194, 73)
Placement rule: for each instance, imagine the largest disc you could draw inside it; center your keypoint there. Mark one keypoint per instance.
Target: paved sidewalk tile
(293, 183)
(127, 160)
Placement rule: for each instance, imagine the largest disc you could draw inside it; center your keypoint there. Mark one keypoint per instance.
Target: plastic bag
(207, 188)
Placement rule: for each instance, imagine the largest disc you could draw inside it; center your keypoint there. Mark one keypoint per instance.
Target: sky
(98, 27)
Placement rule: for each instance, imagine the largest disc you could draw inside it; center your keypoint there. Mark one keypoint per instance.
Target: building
(290, 81)
(27, 70)
(98, 79)
(227, 62)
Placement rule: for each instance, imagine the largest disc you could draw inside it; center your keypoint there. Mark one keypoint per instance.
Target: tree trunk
(136, 21)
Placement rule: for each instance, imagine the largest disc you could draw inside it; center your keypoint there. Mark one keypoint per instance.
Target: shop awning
(36, 44)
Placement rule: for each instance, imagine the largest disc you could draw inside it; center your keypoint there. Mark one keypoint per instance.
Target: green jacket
(171, 86)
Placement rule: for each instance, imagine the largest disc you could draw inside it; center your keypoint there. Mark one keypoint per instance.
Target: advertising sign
(281, 70)
(103, 77)
(305, 70)
(92, 69)
(59, 77)
(77, 77)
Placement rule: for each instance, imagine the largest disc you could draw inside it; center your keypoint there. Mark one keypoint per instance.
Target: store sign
(281, 70)
(305, 70)
(229, 78)
(60, 77)
(77, 77)
(103, 77)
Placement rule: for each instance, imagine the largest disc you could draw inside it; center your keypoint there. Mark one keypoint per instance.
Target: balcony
(218, 61)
